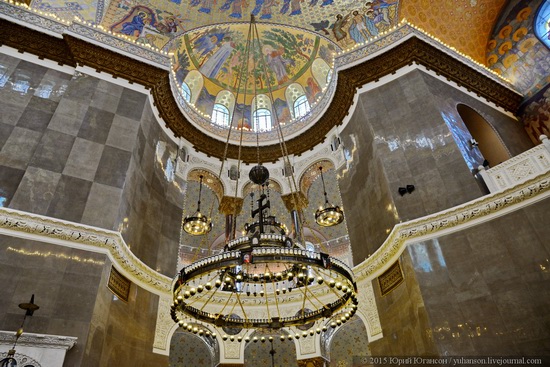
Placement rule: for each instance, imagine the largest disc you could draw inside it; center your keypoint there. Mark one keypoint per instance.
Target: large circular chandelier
(265, 279)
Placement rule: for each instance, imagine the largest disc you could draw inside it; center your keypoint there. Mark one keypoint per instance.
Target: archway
(488, 140)
(190, 350)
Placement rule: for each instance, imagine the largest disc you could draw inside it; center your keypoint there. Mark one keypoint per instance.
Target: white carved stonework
(232, 350)
(521, 169)
(367, 306)
(182, 168)
(163, 327)
(37, 349)
(21, 359)
(517, 169)
(308, 345)
(543, 160)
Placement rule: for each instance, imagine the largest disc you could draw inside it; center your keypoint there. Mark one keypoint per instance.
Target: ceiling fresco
(346, 22)
(515, 52)
(87, 10)
(462, 24)
(288, 63)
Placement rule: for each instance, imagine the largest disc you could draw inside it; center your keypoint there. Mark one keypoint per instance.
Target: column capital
(295, 201)
(231, 205)
(312, 362)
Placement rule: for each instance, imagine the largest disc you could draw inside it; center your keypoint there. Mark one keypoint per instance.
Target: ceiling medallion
(265, 279)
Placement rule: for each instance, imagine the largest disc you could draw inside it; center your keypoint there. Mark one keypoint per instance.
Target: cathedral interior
(402, 147)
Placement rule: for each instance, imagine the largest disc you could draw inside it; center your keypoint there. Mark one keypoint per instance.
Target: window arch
(542, 23)
(186, 92)
(262, 119)
(261, 115)
(321, 72)
(220, 115)
(223, 108)
(297, 100)
(194, 82)
(486, 138)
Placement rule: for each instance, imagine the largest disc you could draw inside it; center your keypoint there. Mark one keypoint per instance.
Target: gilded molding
(103, 60)
(296, 200)
(72, 50)
(40, 44)
(442, 222)
(231, 205)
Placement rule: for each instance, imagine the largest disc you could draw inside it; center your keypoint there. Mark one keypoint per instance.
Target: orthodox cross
(260, 211)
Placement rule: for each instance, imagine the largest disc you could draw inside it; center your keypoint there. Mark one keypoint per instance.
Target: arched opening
(485, 137)
(261, 115)
(257, 354)
(220, 115)
(194, 83)
(190, 350)
(349, 343)
(297, 100)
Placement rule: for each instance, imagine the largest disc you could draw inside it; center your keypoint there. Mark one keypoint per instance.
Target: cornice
(40, 44)
(71, 50)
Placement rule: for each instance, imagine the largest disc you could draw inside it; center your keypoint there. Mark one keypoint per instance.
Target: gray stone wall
(65, 283)
(485, 289)
(408, 132)
(404, 318)
(364, 189)
(82, 149)
(152, 197)
(120, 333)
(85, 152)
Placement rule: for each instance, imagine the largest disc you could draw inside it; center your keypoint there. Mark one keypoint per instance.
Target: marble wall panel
(404, 133)
(122, 333)
(511, 131)
(485, 288)
(404, 318)
(364, 188)
(83, 149)
(152, 198)
(64, 281)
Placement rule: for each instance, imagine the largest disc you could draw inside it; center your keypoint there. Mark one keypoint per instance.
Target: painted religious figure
(277, 63)
(214, 63)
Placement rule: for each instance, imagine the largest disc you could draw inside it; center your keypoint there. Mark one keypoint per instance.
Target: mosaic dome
(285, 77)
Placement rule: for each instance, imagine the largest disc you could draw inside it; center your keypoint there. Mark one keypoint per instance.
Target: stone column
(231, 207)
(295, 202)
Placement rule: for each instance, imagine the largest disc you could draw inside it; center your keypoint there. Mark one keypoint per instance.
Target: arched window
(321, 72)
(262, 119)
(301, 106)
(3, 76)
(186, 92)
(297, 100)
(220, 115)
(194, 82)
(223, 108)
(542, 23)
